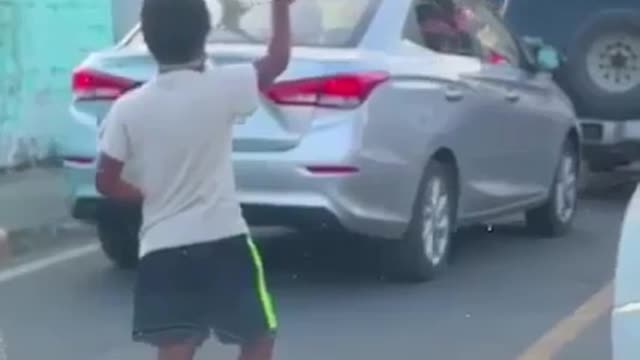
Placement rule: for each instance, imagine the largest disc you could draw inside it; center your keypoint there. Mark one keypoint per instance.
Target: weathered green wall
(41, 41)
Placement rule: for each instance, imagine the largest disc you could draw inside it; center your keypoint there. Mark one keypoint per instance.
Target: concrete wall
(41, 41)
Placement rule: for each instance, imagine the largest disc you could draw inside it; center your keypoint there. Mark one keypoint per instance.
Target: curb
(19, 242)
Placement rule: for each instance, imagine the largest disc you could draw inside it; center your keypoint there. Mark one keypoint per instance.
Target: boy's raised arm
(275, 62)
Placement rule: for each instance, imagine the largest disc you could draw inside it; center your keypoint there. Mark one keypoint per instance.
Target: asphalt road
(505, 291)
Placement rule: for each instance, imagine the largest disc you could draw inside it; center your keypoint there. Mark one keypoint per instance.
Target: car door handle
(512, 96)
(454, 94)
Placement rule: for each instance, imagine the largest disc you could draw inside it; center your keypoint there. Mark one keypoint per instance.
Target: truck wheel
(118, 225)
(602, 73)
(555, 216)
(424, 252)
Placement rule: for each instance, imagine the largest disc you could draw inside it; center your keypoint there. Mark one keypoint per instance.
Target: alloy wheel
(436, 229)
(613, 62)
(566, 191)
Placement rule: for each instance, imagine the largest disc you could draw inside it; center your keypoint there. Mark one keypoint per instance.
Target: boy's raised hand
(276, 60)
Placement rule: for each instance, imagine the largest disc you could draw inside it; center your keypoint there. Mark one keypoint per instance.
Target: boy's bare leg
(261, 349)
(177, 352)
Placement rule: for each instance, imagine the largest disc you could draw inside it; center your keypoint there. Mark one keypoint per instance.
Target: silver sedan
(400, 120)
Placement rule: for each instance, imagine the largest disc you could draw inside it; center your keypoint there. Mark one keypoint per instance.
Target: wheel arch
(447, 157)
(573, 136)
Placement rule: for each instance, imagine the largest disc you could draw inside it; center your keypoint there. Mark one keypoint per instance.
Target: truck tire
(602, 72)
(118, 226)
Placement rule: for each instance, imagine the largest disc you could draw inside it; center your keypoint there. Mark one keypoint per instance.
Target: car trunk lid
(285, 113)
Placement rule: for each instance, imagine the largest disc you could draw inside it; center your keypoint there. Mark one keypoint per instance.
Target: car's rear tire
(555, 217)
(118, 226)
(424, 251)
(602, 73)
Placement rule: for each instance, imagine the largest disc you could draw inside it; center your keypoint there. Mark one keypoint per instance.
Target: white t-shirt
(175, 136)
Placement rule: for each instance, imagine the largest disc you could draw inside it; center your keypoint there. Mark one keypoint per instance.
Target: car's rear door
(465, 114)
(529, 128)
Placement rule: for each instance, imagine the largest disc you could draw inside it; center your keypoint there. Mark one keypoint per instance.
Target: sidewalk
(32, 198)
(34, 211)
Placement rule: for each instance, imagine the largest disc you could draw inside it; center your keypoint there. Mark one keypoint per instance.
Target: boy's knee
(182, 351)
(259, 349)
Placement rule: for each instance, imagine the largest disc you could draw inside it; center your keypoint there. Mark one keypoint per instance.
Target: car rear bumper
(86, 209)
(606, 132)
(294, 216)
(284, 188)
(606, 141)
(280, 191)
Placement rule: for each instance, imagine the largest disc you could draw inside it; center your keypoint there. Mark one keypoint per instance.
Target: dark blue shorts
(185, 294)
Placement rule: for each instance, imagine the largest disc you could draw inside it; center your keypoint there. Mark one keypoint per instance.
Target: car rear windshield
(316, 23)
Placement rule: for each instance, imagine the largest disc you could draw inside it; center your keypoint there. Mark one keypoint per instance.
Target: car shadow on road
(615, 186)
(339, 259)
(299, 265)
(295, 260)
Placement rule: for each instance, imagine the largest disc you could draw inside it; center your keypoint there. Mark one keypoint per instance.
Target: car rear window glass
(321, 23)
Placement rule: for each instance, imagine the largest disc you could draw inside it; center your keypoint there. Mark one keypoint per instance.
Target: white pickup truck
(600, 43)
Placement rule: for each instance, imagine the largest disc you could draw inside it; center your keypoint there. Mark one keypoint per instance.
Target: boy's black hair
(175, 31)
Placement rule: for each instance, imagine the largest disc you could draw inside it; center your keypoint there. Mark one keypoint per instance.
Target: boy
(199, 270)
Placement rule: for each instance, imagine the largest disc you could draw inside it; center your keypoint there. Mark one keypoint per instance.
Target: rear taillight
(92, 85)
(341, 91)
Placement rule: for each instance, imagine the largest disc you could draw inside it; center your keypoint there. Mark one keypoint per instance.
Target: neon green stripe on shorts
(265, 297)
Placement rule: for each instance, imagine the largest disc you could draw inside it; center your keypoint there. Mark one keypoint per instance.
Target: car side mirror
(547, 59)
(543, 57)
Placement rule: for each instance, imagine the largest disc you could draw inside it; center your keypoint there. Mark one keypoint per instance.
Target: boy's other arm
(115, 149)
(109, 181)
(275, 62)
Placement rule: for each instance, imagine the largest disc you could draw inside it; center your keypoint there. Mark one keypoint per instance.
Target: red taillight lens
(341, 91)
(92, 85)
(496, 58)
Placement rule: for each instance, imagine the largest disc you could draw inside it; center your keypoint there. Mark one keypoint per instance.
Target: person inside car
(438, 28)
(449, 28)
(444, 27)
